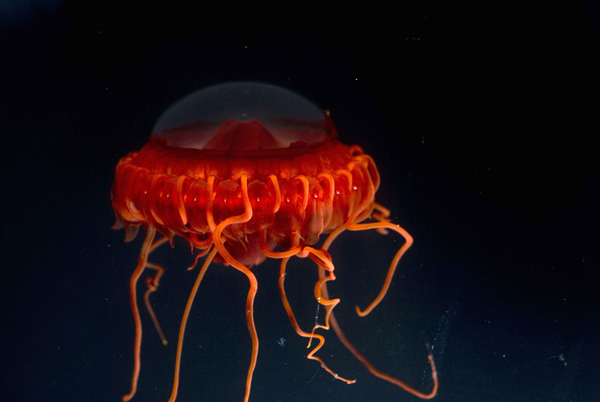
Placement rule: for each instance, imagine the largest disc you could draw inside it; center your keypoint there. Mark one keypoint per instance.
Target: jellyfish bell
(259, 116)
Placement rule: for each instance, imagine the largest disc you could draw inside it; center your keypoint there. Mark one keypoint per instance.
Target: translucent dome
(242, 116)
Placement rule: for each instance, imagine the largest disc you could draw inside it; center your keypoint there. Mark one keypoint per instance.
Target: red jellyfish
(237, 170)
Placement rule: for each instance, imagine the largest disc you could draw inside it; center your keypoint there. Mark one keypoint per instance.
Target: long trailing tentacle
(383, 223)
(152, 282)
(336, 327)
(186, 314)
(323, 260)
(320, 257)
(220, 246)
(290, 312)
(394, 264)
(364, 211)
(142, 263)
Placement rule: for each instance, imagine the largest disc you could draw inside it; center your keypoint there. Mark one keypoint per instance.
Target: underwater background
(483, 120)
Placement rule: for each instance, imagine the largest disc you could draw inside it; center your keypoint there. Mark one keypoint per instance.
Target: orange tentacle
(186, 314)
(299, 331)
(393, 265)
(152, 283)
(336, 327)
(142, 263)
(331, 319)
(220, 246)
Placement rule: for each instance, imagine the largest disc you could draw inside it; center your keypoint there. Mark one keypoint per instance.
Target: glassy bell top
(242, 116)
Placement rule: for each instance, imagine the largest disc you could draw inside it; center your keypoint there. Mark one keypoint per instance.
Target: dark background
(482, 118)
